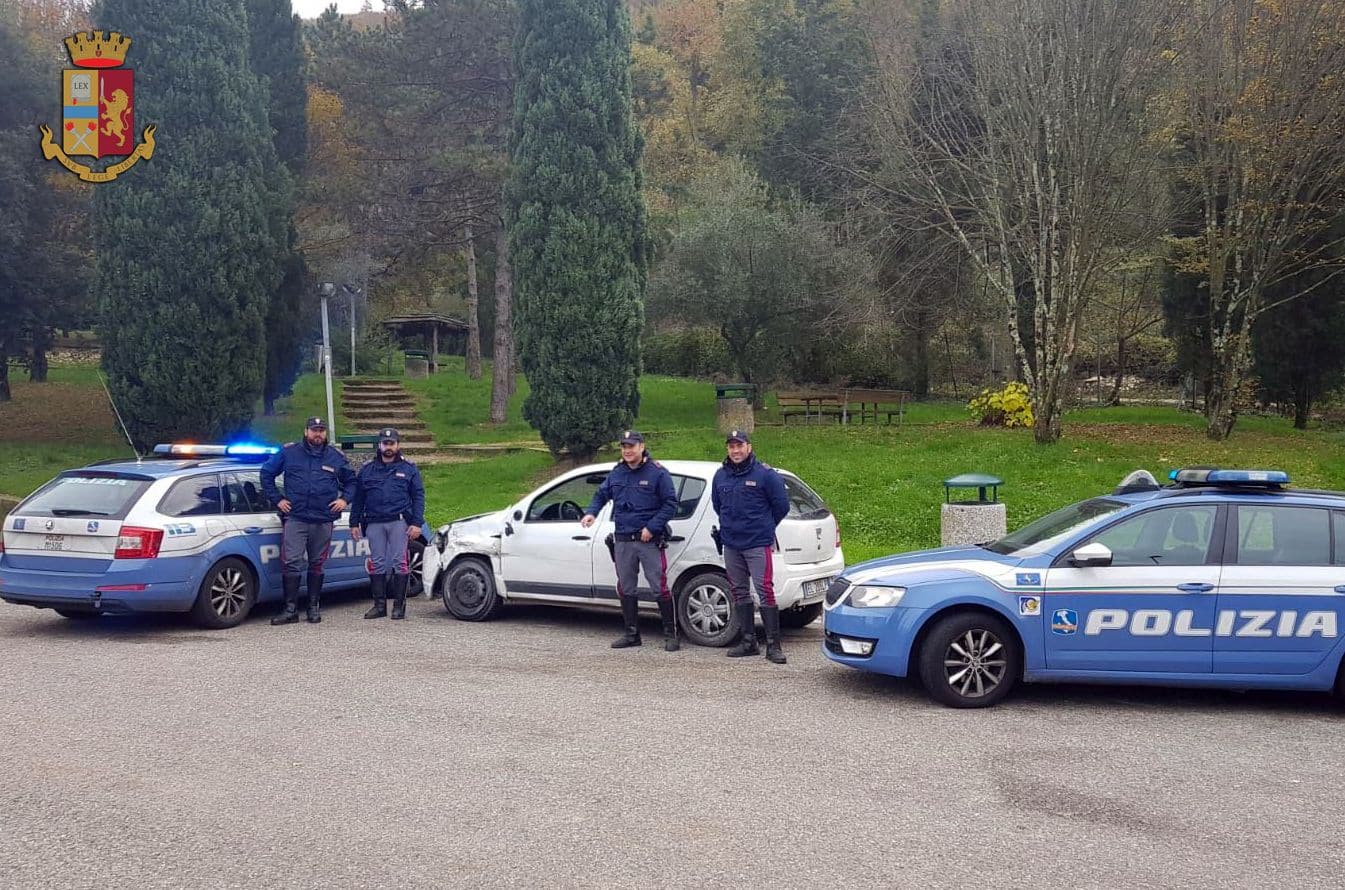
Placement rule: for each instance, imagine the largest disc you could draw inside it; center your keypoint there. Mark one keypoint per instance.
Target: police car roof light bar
(1209, 476)
(190, 449)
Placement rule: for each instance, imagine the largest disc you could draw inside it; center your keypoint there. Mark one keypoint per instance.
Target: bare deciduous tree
(1019, 133)
(1259, 115)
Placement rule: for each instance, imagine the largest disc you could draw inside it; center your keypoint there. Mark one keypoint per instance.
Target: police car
(186, 531)
(1222, 578)
(536, 551)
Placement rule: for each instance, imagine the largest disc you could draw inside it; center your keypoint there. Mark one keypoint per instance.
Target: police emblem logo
(1064, 622)
(98, 105)
(1029, 606)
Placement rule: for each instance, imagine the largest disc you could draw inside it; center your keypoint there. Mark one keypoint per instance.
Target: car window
(804, 503)
(1176, 536)
(565, 502)
(1039, 535)
(1271, 535)
(85, 494)
(243, 494)
(195, 496)
(689, 491)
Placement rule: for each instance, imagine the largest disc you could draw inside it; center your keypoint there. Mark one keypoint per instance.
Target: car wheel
(469, 591)
(415, 563)
(705, 610)
(227, 595)
(970, 660)
(796, 618)
(77, 614)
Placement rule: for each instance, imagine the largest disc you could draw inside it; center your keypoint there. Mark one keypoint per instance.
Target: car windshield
(1037, 537)
(85, 494)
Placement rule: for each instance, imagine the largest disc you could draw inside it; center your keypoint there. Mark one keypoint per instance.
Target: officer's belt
(627, 536)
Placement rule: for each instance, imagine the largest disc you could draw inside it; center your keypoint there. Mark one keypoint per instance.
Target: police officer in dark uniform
(750, 499)
(389, 509)
(318, 486)
(643, 500)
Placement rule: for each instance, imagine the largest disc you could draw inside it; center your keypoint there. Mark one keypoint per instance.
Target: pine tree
(189, 243)
(277, 58)
(576, 222)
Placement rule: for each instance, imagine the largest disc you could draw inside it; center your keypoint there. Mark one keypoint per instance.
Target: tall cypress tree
(277, 57)
(576, 221)
(189, 244)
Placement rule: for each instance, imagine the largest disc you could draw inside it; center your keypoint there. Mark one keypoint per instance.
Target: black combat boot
(378, 586)
(399, 596)
(747, 625)
(314, 598)
(666, 609)
(290, 584)
(770, 617)
(630, 614)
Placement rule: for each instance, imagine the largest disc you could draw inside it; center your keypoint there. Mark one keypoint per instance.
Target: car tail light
(138, 543)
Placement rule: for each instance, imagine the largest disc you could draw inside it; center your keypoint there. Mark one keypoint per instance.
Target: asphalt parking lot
(428, 753)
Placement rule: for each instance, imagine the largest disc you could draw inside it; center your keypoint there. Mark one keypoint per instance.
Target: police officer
(644, 499)
(318, 486)
(389, 509)
(750, 499)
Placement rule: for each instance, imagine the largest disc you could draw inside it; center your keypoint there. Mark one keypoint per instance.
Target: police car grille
(837, 590)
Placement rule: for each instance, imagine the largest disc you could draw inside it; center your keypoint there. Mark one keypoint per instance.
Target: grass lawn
(883, 482)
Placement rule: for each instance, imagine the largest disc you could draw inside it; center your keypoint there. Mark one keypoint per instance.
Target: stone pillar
(734, 414)
(972, 522)
(417, 368)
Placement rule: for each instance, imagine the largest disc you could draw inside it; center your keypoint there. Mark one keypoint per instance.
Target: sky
(311, 9)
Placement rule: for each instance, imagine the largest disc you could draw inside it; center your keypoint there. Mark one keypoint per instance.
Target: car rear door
(1152, 609)
(1282, 592)
(690, 490)
(251, 515)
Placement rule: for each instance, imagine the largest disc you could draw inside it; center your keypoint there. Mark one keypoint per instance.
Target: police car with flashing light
(188, 530)
(1222, 578)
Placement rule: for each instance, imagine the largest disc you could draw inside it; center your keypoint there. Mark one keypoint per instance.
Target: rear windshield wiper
(71, 511)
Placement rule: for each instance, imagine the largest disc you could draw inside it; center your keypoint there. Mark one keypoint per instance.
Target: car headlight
(867, 596)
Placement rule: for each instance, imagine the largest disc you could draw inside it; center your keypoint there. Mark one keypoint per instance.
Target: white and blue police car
(189, 530)
(1222, 578)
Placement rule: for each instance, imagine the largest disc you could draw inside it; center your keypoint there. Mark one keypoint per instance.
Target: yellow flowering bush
(1009, 405)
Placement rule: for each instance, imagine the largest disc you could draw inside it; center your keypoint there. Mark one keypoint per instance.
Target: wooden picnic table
(810, 405)
(874, 403)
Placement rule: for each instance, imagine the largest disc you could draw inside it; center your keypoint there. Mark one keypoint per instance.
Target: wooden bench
(875, 403)
(810, 405)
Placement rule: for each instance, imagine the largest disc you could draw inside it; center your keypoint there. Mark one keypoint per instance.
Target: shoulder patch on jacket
(751, 482)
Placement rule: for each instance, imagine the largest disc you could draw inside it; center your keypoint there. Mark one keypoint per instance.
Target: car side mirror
(1091, 556)
(518, 514)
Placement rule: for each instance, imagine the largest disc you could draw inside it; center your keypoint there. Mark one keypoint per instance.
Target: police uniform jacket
(314, 477)
(644, 497)
(388, 491)
(750, 500)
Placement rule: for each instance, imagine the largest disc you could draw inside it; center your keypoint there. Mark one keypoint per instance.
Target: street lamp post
(327, 290)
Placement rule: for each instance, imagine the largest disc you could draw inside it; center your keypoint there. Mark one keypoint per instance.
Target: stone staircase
(369, 405)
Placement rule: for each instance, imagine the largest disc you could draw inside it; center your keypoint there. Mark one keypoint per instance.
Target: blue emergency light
(191, 449)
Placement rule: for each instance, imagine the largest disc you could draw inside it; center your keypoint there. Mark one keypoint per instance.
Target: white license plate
(816, 587)
(54, 542)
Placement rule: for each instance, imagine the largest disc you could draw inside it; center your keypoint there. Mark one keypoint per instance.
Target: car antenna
(111, 401)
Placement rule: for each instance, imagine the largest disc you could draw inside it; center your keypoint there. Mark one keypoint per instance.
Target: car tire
(469, 591)
(797, 618)
(970, 660)
(227, 594)
(705, 612)
(415, 562)
(78, 614)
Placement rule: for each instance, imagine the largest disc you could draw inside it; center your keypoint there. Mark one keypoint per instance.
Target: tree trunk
(1229, 364)
(473, 320)
(502, 369)
(1120, 371)
(37, 368)
(5, 394)
(1048, 404)
(268, 405)
(1302, 406)
(920, 373)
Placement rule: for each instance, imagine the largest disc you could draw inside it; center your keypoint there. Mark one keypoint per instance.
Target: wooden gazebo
(436, 333)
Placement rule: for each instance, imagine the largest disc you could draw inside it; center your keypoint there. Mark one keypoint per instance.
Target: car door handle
(1195, 587)
(1340, 588)
(253, 530)
(581, 538)
(675, 538)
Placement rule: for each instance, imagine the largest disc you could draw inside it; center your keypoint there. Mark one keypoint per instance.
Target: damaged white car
(536, 551)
